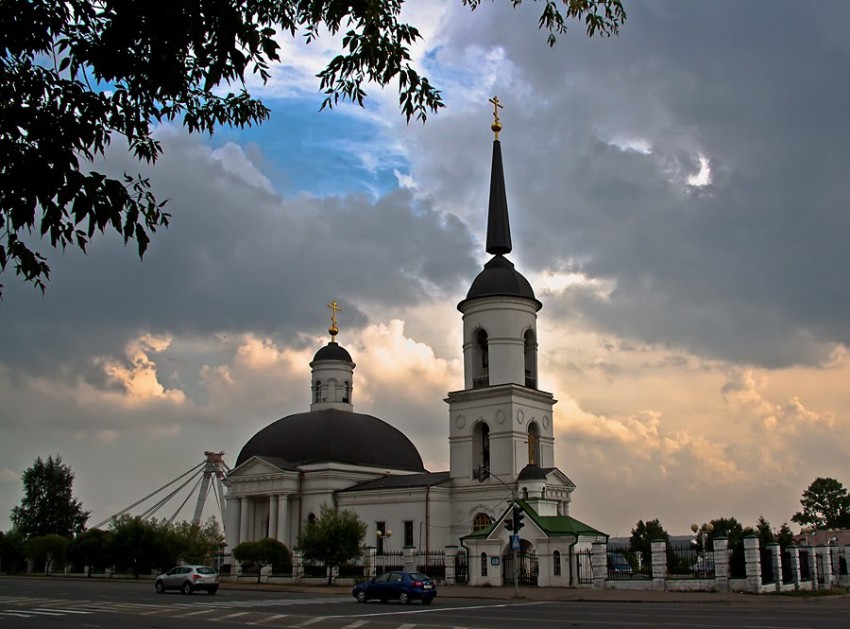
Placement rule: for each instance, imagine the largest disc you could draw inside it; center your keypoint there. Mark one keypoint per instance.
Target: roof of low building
(401, 481)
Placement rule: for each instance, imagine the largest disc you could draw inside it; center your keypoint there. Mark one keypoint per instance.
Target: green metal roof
(551, 525)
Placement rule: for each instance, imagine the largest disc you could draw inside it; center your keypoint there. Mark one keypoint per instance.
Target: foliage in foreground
(78, 74)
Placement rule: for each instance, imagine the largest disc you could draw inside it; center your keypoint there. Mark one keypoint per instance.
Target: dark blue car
(397, 585)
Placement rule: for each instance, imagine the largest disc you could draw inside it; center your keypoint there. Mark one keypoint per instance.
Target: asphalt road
(32, 603)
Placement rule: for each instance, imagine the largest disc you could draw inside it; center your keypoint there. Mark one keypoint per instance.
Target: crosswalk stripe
(312, 621)
(15, 614)
(41, 613)
(236, 615)
(65, 611)
(263, 621)
(198, 613)
(355, 624)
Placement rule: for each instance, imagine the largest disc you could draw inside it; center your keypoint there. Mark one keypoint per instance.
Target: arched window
(483, 564)
(481, 446)
(556, 563)
(317, 392)
(533, 444)
(330, 395)
(481, 366)
(530, 359)
(346, 396)
(525, 493)
(481, 521)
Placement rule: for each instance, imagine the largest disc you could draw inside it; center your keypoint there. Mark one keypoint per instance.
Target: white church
(501, 444)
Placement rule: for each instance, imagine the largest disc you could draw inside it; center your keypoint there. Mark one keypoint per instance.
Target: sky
(678, 199)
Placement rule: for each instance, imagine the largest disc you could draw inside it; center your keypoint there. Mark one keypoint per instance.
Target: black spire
(498, 226)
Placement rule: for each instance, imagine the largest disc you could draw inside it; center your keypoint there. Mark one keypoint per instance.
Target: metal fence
(461, 569)
(389, 561)
(527, 568)
(766, 560)
(432, 563)
(787, 569)
(624, 564)
(684, 562)
(805, 570)
(584, 567)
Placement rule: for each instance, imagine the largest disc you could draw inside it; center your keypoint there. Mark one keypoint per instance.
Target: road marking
(355, 624)
(65, 611)
(313, 621)
(435, 610)
(236, 615)
(15, 614)
(406, 626)
(198, 613)
(41, 613)
(262, 621)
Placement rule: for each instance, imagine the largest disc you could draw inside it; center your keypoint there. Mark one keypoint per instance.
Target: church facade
(501, 445)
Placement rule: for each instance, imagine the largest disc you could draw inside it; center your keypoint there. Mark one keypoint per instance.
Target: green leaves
(78, 74)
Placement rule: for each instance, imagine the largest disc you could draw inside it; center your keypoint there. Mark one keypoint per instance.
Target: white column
(243, 519)
(231, 524)
(273, 516)
(283, 521)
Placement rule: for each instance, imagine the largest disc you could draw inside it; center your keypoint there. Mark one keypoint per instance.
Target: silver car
(187, 579)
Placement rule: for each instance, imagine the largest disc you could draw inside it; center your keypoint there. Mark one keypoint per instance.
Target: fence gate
(527, 569)
(461, 569)
(584, 567)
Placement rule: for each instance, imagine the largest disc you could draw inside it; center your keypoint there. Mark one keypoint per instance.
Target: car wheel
(186, 589)
(361, 596)
(160, 587)
(427, 601)
(404, 598)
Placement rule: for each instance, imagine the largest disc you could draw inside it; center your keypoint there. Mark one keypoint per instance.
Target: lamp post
(382, 535)
(482, 473)
(703, 532)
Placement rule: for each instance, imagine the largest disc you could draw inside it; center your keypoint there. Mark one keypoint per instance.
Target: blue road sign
(514, 542)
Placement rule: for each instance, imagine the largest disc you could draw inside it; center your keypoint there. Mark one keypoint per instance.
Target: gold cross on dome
(334, 309)
(497, 125)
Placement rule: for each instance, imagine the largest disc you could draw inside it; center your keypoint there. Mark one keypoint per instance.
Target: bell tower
(500, 420)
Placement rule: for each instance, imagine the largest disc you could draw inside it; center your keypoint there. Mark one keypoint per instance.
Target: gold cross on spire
(333, 330)
(497, 125)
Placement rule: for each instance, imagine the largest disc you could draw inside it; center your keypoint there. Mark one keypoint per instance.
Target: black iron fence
(461, 569)
(787, 568)
(766, 560)
(389, 561)
(684, 562)
(623, 564)
(805, 568)
(432, 563)
(527, 568)
(584, 567)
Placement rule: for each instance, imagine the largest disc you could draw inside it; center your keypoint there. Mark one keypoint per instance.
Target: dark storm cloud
(236, 258)
(750, 268)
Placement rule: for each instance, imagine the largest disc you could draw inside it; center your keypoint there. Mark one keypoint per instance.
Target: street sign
(514, 542)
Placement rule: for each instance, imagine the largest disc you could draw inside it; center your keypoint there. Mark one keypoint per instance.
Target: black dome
(334, 435)
(500, 279)
(332, 351)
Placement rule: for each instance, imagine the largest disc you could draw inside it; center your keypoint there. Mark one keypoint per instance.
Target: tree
(642, 537)
(12, 551)
(733, 531)
(764, 532)
(139, 546)
(333, 539)
(92, 550)
(198, 543)
(264, 552)
(48, 506)
(826, 505)
(50, 549)
(76, 75)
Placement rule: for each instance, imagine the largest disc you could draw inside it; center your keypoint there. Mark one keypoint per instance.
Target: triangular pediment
(259, 466)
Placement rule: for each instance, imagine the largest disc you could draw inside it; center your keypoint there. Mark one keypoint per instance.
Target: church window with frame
(481, 445)
(346, 396)
(481, 360)
(530, 342)
(408, 533)
(481, 521)
(556, 563)
(533, 444)
(483, 564)
(317, 391)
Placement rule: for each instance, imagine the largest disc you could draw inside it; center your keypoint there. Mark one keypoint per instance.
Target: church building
(500, 433)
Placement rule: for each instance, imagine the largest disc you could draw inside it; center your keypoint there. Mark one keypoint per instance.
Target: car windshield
(418, 576)
(205, 570)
